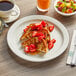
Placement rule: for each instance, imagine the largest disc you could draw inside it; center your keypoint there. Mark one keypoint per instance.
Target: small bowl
(61, 13)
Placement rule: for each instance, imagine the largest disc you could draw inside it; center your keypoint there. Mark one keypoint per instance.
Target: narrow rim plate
(60, 33)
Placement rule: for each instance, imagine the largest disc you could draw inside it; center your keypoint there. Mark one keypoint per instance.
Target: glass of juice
(43, 5)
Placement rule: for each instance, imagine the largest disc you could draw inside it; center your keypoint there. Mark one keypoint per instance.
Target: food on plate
(36, 38)
(66, 6)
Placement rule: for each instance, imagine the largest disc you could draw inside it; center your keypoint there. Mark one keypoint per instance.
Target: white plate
(59, 33)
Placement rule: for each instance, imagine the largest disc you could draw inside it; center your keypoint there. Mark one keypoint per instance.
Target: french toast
(25, 34)
(36, 38)
(41, 47)
(28, 34)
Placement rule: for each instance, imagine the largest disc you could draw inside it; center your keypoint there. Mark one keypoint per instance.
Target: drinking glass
(43, 5)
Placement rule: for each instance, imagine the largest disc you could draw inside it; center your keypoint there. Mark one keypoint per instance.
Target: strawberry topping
(33, 27)
(27, 49)
(26, 29)
(50, 45)
(33, 50)
(37, 30)
(32, 46)
(51, 28)
(43, 23)
(39, 27)
(53, 40)
(40, 38)
(34, 34)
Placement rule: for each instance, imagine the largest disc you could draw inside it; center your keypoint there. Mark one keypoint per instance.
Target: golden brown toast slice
(32, 40)
(27, 39)
(25, 34)
(29, 35)
(46, 33)
(41, 46)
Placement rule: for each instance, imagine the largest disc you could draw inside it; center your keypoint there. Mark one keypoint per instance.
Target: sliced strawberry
(39, 26)
(40, 34)
(40, 38)
(50, 45)
(43, 36)
(33, 50)
(27, 27)
(51, 28)
(53, 40)
(32, 46)
(43, 23)
(33, 27)
(25, 30)
(27, 49)
(34, 34)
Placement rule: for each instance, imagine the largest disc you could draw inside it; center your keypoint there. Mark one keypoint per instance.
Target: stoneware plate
(59, 33)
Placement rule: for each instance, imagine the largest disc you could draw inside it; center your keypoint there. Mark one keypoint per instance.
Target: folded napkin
(71, 60)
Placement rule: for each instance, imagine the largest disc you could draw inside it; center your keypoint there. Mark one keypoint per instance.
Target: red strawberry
(53, 40)
(32, 46)
(40, 34)
(51, 28)
(34, 34)
(33, 50)
(27, 49)
(40, 38)
(27, 27)
(43, 23)
(39, 26)
(50, 45)
(25, 30)
(33, 27)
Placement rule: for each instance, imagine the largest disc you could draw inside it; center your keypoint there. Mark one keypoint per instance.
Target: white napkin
(71, 60)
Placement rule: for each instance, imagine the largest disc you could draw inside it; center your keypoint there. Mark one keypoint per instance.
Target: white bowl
(61, 13)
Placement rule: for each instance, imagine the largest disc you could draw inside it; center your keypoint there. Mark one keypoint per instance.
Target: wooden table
(11, 65)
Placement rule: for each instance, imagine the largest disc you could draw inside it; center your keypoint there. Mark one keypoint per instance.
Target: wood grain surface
(11, 65)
